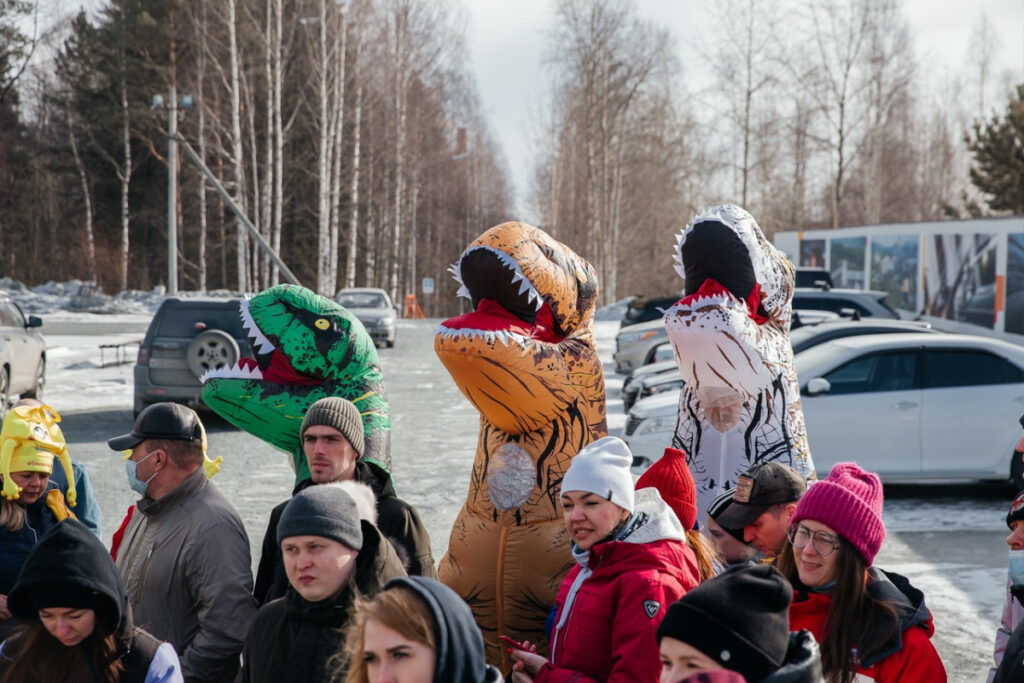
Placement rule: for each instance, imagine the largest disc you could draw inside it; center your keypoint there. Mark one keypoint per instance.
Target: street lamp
(460, 153)
(172, 105)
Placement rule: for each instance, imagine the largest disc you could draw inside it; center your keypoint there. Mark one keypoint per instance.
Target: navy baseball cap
(161, 421)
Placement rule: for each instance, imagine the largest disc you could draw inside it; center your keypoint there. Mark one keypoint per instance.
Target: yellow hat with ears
(212, 467)
(29, 439)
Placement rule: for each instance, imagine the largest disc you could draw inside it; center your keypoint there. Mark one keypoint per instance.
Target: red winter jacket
(909, 657)
(609, 634)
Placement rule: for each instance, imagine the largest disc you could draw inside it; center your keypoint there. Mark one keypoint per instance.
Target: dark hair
(852, 614)
(38, 656)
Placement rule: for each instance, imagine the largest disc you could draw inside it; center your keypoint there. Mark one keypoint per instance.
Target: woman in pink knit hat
(871, 624)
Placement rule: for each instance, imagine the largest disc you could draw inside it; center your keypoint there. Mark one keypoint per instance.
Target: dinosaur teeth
(259, 343)
(235, 371)
(489, 336)
(463, 292)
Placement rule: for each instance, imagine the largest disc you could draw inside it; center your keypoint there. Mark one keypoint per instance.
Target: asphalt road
(948, 539)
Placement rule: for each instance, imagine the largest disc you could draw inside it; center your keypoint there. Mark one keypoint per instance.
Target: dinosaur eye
(322, 323)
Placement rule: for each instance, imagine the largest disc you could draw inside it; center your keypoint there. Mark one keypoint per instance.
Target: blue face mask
(137, 484)
(1017, 568)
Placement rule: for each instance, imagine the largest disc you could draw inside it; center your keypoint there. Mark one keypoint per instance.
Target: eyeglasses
(824, 543)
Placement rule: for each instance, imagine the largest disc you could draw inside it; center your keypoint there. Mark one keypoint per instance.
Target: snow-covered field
(948, 540)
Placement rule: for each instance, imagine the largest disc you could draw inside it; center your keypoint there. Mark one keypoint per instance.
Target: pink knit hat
(850, 501)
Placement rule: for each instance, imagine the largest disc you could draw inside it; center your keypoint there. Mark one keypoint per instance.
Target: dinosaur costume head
(305, 347)
(30, 439)
(730, 332)
(526, 359)
(529, 333)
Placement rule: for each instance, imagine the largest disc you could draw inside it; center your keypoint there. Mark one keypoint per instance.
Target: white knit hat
(603, 468)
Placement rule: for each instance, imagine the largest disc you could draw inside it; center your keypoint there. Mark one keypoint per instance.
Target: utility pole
(172, 192)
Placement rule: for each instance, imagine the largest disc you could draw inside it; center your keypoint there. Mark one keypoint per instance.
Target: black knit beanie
(336, 412)
(1016, 510)
(325, 511)
(740, 619)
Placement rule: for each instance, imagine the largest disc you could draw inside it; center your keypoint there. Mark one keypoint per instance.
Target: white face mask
(134, 482)
(1017, 568)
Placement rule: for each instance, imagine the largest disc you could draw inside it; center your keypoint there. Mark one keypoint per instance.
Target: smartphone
(513, 643)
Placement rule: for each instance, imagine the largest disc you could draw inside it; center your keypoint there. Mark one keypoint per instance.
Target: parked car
(651, 420)
(22, 354)
(849, 302)
(374, 309)
(645, 309)
(637, 345)
(186, 338)
(633, 382)
(807, 276)
(658, 377)
(649, 427)
(915, 407)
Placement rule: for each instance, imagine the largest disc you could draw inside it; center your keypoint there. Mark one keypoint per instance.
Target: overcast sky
(507, 40)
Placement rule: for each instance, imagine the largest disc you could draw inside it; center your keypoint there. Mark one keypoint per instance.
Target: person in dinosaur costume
(526, 359)
(305, 347)
(740, 405)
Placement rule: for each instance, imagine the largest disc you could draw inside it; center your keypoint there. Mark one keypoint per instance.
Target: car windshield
(807, 361)
(362, 300)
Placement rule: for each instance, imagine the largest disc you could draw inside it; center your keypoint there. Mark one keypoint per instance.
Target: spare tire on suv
(187, 337)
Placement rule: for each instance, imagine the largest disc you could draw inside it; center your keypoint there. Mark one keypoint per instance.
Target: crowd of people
(774, 582)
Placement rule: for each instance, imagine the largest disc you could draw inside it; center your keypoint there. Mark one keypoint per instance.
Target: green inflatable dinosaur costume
(305, 347)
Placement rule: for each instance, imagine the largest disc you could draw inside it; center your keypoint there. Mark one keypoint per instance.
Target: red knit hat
(850, 501)
(672, 478)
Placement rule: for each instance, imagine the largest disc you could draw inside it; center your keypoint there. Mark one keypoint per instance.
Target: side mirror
(34, 321)
(818, 385)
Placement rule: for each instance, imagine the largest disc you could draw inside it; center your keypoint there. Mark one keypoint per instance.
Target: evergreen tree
(998, 149)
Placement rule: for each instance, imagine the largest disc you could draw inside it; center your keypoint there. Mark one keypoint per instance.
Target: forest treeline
(353, 137)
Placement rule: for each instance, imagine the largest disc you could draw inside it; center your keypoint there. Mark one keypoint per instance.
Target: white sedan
(911, 407)
(915, 407)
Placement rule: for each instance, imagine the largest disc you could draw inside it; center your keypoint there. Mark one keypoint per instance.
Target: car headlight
(387, 321)
(633, 337)
(666, 423)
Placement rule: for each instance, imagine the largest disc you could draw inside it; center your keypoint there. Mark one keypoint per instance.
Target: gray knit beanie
(336, 412)
(325, 511)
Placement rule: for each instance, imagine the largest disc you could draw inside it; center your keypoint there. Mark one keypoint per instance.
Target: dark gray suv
(186, 338)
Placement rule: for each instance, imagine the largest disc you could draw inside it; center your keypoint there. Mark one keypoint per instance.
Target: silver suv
(186, 338)
(375, 311)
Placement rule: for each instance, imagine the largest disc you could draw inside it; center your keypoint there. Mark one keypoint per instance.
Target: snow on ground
(949, 545)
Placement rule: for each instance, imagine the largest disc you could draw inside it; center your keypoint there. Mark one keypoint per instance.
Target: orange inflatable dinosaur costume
(526, 359)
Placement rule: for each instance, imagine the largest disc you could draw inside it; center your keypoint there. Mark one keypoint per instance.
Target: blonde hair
(12, 515)
(398, 608)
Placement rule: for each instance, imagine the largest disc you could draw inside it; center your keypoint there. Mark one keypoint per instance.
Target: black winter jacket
(70, 554)
(396, 519)
(292, 639)
(803, 661)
